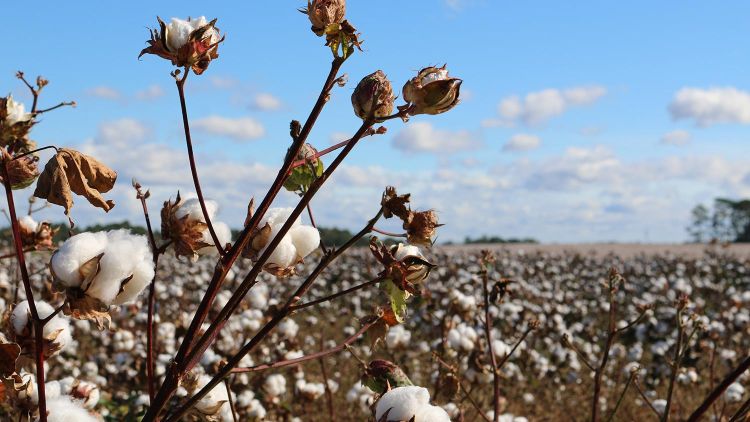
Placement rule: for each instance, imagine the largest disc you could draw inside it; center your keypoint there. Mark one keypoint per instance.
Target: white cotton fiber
(19, 319)
(216, 396)
(305, 239)
(285, 254)
(275, 385)
(402, 251)
(429, 413)
(278, 216)
(73, 253)
(223, 233)
(143, 273)
(192, 208)
(27, 223)
(403, 402)
(116, 265)
(64, 409)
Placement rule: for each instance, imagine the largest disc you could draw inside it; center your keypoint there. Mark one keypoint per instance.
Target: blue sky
(580, 122)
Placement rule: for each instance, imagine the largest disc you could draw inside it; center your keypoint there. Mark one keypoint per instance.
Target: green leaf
(398, 299)
(303, 176)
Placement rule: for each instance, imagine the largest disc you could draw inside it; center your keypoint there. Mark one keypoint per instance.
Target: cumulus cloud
(238, 129)
(105, 92)
(522, 142)
(423, 137)
(676, 137)
(711, 106)
(266, 102)
(151, 93)
(540, 106)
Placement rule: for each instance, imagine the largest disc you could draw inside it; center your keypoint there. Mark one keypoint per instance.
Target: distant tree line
(727, 221)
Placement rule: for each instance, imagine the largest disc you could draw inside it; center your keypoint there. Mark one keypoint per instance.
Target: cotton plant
(100, 269)
(66, 409)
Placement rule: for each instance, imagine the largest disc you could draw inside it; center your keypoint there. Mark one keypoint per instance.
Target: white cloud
(522, 142)
(239, 129)
(711, 106)
(150, 93)
(266, 102)
(105, 92)
(540, 106)
(676, 137)
(337, 137)
(423, 137)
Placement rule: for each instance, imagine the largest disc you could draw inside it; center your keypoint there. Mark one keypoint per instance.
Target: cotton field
(550, 317)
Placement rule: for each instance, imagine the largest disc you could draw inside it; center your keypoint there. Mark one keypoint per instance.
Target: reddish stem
(193, 170)
(37, 322)
(719, 390)
(488, 335)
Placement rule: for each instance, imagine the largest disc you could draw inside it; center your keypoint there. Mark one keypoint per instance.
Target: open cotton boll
(122, 254)
(27, 223)
(142, 276)
(278, 216)
(305, 239)
(62, 327)
(192, 209)
(407, 250)
(404, 403)
(75, 252)
(64, 409)
(223, 233)
(285, 254)
(21, 314)
(429, 413)
(212, 402)
(178, 31)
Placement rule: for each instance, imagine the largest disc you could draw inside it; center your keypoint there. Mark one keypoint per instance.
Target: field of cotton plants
(189, 320)
(549, 313)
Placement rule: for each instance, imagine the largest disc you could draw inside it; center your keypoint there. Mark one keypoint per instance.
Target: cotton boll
(59, 327)
(124, 251)
(285, 254)
(192, 209)
(734, 393)
(402, 251)
(429, 413)
(212, 402)
(57, 330)
(178, 32)
(27, 223)
(288, 328)
(64, 409)
(278, 216)
(275, 385)
(403, 402)
(76, 251)
(142, 276)
(306, 239)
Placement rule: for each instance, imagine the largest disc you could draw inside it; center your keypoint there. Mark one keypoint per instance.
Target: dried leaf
(70, 171)
(9, 353)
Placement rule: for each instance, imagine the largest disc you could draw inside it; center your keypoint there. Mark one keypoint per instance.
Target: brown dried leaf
(70, 171)
(9, 353)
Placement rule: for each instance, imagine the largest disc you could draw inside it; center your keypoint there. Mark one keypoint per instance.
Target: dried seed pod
(432, 91)
(373, 97)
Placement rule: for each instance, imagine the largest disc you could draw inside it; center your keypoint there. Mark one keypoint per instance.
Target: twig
(622, 396)
(193, 169)
(533, 325)
(467, 392)
(386, 233)
(611, 335)
(336, 295)
(62, 104)
(719, 390)
(645, 399)
(231, 401)
(488, 335)
(150, 326)
(323, 353)
(329, 393)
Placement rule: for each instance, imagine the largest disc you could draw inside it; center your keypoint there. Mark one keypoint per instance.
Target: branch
(719, 390)
(193, 170)
(336, 295)
(277, 318)
(323, 353)
(488, 335)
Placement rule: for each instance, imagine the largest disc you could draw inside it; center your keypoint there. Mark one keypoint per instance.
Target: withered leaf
(70, 171)
(9, 352)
